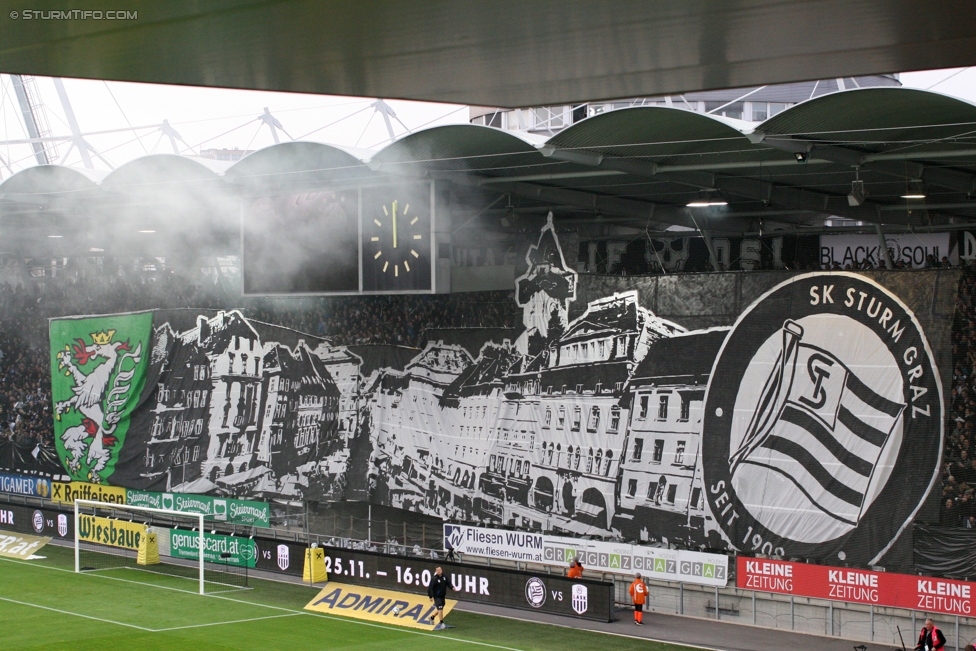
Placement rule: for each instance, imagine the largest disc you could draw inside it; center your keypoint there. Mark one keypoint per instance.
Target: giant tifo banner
(857, 586)
(778, 413)
(594, 555)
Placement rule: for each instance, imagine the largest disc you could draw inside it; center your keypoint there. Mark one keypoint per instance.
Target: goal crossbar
(95, 504)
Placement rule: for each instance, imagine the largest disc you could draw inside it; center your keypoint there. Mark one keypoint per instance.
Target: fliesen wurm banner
(773, 412)
(595, 555)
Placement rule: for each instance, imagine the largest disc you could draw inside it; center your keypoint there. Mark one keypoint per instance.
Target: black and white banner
(770, 412)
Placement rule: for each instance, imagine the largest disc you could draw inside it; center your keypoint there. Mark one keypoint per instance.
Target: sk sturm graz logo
(823, 421)
(535, 592)
(97, 375)
(37, 521)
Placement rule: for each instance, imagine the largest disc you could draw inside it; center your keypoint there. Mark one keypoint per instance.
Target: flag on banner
(819, 425)
(98, 368)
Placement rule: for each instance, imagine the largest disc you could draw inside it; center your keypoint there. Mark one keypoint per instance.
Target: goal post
(113, 530)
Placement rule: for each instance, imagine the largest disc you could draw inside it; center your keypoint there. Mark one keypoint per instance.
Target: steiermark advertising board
(245, 512)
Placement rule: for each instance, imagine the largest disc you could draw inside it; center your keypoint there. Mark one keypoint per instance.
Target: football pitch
(45, 605)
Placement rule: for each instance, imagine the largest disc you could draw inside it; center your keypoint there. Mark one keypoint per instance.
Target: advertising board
(244, 512)
(226, 550)
(857, 586)
(44, 522)
(374, 605)
(618, 558)
(111, 532)
(25, 485)
(558, 595)
(68, 492)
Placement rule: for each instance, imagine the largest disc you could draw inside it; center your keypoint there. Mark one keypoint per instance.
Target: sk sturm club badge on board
(823, 421)
(98, 368)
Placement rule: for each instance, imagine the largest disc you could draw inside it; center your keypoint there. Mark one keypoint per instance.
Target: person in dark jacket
(437, 591)
(931, 638)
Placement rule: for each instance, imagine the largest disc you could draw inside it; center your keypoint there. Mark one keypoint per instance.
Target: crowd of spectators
(25, 388)
(958, 503)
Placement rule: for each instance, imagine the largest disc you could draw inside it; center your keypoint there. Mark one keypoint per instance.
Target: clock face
(396, 240)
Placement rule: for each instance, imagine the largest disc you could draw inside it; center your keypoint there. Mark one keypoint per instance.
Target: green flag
(98, 369)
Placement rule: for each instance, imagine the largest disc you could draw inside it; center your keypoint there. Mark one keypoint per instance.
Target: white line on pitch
(68, 612)
(395, 629)
(236, 621)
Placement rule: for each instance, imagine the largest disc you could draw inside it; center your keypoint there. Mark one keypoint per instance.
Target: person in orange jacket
(638, 593)
(575, 570)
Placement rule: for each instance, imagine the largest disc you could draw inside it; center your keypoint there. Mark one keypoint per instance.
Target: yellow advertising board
(20, 546)
(375, 605)
(79, 490)
(114, 533)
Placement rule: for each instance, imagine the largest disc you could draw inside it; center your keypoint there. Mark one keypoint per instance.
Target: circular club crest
(823, 427)
(535, 592)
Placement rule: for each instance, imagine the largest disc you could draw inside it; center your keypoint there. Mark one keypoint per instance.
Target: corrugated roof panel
(876, 119)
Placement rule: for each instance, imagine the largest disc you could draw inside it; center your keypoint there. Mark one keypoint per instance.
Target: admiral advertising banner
(772, 412)
(20, 546)
(374, 605)
(595, 555)
(857, 586)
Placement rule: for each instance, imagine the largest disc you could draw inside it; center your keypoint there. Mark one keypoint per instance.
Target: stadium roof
(638, 166)
(503, 53)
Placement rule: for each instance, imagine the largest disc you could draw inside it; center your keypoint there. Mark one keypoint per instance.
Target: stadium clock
(396, 239)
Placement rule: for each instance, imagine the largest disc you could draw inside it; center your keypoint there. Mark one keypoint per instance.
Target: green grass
(44, 605)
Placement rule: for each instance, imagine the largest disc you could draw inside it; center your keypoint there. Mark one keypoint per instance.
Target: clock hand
(394, 225)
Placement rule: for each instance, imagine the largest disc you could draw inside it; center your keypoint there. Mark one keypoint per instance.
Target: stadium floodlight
(112, 511)
(858, 195)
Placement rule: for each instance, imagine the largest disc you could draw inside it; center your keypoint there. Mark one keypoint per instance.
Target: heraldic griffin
(99, 404)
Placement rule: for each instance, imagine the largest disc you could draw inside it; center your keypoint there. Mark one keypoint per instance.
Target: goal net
(162, 542)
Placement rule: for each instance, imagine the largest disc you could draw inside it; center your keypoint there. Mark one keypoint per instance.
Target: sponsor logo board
(79, 490)
(226, 550)
(857, 586)
(111, 532)
(25, 485)
(20, 546)
(653, 562)
(244, 512)
(376, 605)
